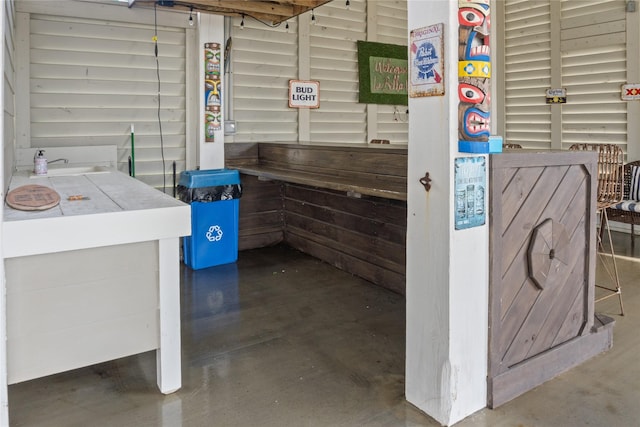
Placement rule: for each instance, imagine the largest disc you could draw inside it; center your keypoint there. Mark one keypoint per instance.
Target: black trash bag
(209, 194)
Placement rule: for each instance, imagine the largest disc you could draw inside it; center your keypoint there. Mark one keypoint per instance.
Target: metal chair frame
(511, 146)
(609, 193)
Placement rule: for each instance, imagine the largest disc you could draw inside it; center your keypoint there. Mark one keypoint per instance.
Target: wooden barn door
(542, 249)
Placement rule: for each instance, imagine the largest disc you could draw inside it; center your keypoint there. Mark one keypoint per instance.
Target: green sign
(383, 73)
(388, 75)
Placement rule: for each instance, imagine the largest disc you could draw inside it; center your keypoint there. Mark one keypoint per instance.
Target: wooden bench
(380, 172)
(345, 205)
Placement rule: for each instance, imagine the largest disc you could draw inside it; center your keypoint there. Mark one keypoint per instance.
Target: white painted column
(447, 269)
(4, 391)
(211, 154)
(168, 355)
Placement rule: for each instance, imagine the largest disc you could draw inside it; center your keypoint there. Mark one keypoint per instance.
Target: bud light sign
(304, 94)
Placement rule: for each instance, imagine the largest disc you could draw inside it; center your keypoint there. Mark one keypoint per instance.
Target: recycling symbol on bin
(214, 234)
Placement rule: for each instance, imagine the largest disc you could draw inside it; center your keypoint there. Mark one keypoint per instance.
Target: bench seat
(345, 205)
(627, 211)
(353, 186)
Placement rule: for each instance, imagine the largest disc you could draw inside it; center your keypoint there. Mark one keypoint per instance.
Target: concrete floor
(282, 339)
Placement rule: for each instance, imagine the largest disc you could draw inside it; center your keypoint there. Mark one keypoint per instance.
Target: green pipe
(133, 155)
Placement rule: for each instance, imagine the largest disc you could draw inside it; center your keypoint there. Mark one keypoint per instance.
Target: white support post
(447, 269)
(4, 390)
(168, 355)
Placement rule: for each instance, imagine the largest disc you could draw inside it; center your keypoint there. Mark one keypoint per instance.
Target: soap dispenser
(40, 163)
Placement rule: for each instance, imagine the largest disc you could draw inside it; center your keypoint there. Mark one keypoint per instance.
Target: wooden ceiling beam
(269, 11)
(257, 7)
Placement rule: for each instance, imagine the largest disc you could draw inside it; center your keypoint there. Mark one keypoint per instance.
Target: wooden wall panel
(379, 163)
(236, 155)
(365, 236)
(260, 218)
(537, 325)
(78, 308)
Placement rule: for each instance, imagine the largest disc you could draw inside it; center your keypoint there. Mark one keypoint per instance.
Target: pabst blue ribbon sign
(427, 62)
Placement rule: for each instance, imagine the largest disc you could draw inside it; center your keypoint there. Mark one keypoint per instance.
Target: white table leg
(168, 355)
(4, 390)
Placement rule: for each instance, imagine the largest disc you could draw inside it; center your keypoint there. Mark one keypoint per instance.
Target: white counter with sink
(95, 279)
(72, 171)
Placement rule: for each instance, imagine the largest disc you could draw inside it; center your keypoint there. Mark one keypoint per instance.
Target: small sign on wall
(556, 96)
(382, 73)
(426, 61)
(212, 91)
(304, 94)
(470, 176)
(631, 92)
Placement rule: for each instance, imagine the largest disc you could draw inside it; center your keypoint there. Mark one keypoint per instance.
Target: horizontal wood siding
(91, 79)
(263, 61)
(260, 220)
(260, 214)
(527, 57)
(391, 27)
(577, 45)
(334, 61)
(77, 308)
(9, 91)
(364, 236)
(594, 66)
(376, 163)
(240, 154)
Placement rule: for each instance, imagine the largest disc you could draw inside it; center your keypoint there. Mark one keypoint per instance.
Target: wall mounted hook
(426, 181)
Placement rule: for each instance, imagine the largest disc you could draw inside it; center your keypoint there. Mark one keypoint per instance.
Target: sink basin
(72, 171)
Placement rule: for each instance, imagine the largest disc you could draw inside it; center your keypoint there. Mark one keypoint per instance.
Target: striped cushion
(628, 205)
(634, 187)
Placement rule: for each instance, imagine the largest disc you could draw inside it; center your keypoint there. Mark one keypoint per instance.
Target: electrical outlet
(230, 127)
(631, 6)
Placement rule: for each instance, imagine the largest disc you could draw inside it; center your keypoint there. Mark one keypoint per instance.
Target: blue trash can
(214, 198)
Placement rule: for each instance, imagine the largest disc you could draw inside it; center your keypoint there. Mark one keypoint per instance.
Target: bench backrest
(356, 162)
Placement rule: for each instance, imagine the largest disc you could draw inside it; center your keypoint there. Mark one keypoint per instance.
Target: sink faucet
(59, 160)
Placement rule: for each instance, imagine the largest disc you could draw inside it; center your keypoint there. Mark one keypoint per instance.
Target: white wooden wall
(387, 23)
(333, 60)
(265, 59)
(583, 48)
(7, 96)
(593, 67)
(91, 72)
(8, 85)
(77, 308)
(573, 44)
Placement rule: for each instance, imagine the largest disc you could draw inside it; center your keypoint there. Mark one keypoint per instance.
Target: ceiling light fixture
(191, 16)
(348, 4)
(242, 22)
(313, 17)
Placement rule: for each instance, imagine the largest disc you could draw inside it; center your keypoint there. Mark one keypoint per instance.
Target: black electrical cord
(189, 5)
(263, 22)
(155, 38)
